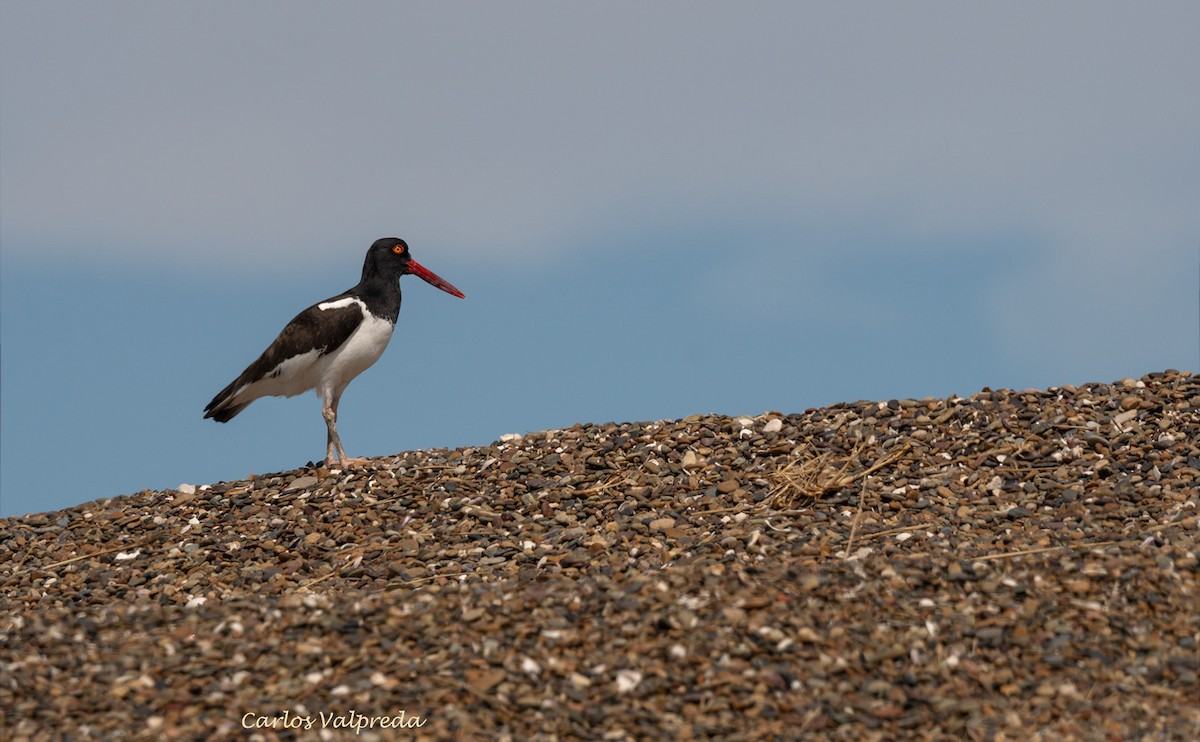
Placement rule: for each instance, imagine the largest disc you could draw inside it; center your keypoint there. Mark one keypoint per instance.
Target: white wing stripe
(341, 303)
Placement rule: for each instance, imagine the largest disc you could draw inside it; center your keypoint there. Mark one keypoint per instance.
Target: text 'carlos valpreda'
(350, 719)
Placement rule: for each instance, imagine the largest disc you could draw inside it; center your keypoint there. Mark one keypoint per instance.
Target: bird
(327, 345)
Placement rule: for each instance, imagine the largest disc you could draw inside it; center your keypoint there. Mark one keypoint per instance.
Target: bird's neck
(380, 293)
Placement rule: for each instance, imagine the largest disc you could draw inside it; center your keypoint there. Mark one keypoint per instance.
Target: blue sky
(654, 210)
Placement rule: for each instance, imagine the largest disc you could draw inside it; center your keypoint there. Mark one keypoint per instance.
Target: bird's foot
(345, 462)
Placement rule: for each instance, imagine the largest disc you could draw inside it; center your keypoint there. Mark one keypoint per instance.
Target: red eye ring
(398, 249)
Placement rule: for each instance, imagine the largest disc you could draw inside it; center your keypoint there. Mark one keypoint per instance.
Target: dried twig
(80, 558)
(854, 525)
(390, 586)
(1040, 550)
(602, 487)
(893, 531)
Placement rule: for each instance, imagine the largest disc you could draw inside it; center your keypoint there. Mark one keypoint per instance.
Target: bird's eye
(398, 249)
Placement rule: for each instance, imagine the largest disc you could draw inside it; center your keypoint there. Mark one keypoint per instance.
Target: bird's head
(390, 255)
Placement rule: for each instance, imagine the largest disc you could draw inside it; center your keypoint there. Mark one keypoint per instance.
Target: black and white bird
(330, 343)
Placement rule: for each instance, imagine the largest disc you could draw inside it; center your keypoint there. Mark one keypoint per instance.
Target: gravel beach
(1016, 564)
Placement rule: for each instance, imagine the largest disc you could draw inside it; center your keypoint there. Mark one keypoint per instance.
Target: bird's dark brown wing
(322, 330)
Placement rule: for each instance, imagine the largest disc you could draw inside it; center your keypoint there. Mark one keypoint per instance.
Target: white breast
(357, 354)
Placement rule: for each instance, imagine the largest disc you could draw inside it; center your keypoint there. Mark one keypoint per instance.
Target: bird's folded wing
(322, 327)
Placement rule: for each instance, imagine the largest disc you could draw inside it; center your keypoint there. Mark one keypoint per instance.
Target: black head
(389, 257)
(390, 254)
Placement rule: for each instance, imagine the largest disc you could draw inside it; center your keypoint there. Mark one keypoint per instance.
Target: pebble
(300, 483)
(948, 568)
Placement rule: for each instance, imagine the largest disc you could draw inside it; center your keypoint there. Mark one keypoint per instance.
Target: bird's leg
(333, 446)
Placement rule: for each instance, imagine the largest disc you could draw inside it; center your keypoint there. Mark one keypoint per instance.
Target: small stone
(300, 483)
(1125, 417)
(627, 680)
(484, 680)
(805, 634)
(1080, 586)
(530, 666)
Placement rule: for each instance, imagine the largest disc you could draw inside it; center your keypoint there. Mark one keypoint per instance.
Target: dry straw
(804, 481)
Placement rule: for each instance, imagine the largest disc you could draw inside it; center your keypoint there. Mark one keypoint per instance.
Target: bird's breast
(359, 351)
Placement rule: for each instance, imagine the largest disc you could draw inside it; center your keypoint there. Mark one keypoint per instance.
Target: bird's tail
(222, 408)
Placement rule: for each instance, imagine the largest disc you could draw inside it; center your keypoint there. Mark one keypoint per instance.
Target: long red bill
(433, 279)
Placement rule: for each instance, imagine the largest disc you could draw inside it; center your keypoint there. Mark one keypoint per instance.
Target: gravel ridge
(1012, 564)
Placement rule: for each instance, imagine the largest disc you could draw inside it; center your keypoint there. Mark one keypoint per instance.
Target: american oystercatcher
(330, 343)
